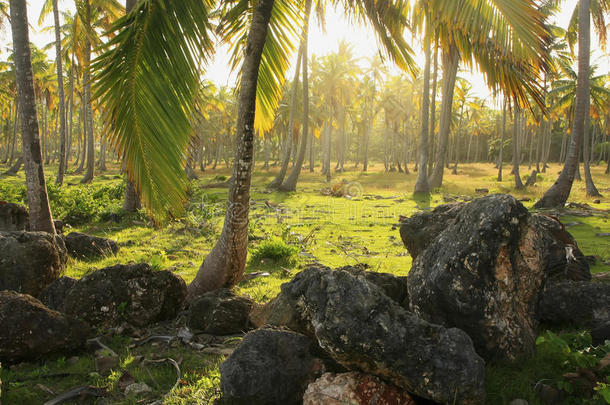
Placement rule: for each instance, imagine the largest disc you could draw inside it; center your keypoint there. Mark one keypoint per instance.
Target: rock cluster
(485, 275)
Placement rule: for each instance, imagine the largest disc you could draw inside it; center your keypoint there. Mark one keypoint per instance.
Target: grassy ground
(334, 231)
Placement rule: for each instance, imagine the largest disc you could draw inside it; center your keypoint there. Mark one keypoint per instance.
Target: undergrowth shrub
(81, 204)
(274, 249)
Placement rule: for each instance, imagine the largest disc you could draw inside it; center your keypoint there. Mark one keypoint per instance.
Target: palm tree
(161, 67)
(565, 89)
(38, 200)
(509, 48)
(559, 192)
(422, 186)
(60, 86)
(290, 184)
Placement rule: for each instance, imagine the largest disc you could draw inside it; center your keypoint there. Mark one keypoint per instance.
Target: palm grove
(131, 87)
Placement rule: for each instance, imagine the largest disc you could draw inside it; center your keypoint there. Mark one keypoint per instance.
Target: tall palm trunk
(38, 200)
(501, 157)
(421, 186)
(225, 264)
(589, 185)
(291, 182)
(432, 128)
(516, 146)
(62, 100)
(450, 61)
(559, 192)
(88, 109)
(88, 118)
(279, 178)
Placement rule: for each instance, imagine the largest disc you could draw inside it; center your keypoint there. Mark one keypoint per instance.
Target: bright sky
(320, 43)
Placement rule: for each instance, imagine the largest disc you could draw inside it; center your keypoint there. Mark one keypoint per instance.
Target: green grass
(304, 227)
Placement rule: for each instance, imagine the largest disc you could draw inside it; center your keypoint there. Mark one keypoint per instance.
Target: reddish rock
(354, 389)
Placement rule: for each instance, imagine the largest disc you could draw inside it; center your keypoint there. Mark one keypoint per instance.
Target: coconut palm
(38, 201)
(559, 192)
(161, 78)
(507, 45)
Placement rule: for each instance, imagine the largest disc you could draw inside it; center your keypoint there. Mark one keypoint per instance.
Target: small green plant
(274, 249)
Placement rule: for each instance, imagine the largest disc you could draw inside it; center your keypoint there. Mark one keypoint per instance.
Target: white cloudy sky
(321, 43)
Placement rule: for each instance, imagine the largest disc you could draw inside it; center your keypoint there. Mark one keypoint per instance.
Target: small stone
(597, 201)
(518, 402)
(137, 389)
(72, 360)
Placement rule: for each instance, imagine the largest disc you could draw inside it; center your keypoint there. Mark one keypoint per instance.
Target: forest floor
(361, 228)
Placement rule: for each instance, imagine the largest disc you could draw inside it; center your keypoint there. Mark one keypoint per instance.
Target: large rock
(84, 246)
(363, 329)
(30, 330)
(580, 304)
(13, 217)
(271, 366)
(354, 389)
(484, 273)
(30, 261)
(564, 261)
(220, 312)
(283, 309)
(55, 294)
(126, 293)
(419, 230)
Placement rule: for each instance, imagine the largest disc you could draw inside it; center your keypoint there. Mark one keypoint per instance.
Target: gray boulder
(484, 273)
(84, 246)
(364, 330)
(134, 294)
(54, 295)
(581, 304)
(420, 230)
(220, 312)
(30, 261)
(13, 217)
(30, 330)
(565, 261)
(271, 366)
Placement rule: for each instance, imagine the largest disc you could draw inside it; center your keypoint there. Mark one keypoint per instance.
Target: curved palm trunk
(450, 65)
(279, 178)
(421, 186)
(62, 100)
(38, 200)
(559, 192)
(589, 184)
(291, 182)
(225, 264)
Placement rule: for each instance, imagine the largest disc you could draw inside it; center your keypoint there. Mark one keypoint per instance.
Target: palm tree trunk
(558, 194)
(589, 185)
(432, 128)
(516, 146)
(15, 129)
(224, 266)
(62, 101)
(450, 61)
(329, 131)
(279, 178)
(291, 182)
(501, 157)
(88, 117)
(421, 186)
(38, 200)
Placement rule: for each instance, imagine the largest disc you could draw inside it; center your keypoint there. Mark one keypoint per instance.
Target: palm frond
(148, 78)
